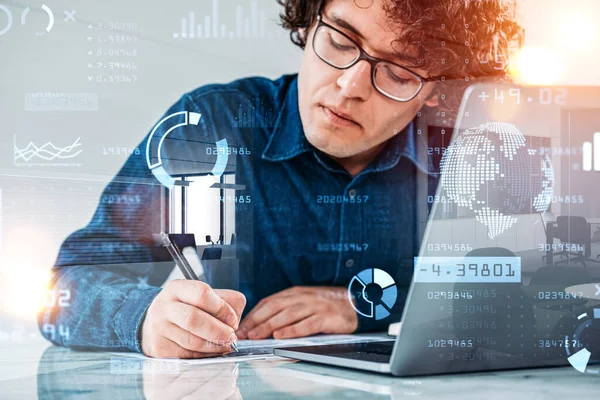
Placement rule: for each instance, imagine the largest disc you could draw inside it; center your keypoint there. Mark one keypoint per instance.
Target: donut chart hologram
(10, 19)
(48, 12)
(379, 308)
(189, 118)
(580, 359)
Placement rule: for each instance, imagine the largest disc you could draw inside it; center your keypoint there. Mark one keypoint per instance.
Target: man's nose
(355, 82)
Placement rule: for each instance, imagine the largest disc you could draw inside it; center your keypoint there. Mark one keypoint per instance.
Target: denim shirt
(308, 222)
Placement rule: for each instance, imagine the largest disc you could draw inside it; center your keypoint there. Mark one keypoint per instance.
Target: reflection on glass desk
(67, 374)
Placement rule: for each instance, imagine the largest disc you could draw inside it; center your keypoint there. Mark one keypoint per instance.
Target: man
(333, 185)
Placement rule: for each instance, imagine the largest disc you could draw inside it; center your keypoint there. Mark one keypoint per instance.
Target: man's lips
(339, 117)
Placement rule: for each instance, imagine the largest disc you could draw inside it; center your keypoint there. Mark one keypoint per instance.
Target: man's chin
(335, 149)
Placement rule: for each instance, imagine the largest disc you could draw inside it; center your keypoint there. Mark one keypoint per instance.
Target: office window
(204, 212)
(175, 216)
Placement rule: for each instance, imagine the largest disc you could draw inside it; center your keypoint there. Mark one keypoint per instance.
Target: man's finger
(265, 310)
(307, 327)
(236, 300)
(294, 291)
(199, 323)
(201, 295)
(194, 343)
(222, 387)
(289, 316)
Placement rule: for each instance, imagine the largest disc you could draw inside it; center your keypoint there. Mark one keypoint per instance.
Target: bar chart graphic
(255, 116)
(591, 154)
(249, 24)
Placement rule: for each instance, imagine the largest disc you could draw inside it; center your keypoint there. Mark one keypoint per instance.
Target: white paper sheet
(263, 349)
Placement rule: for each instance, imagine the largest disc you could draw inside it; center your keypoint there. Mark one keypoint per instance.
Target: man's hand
(219, 382)
(188, 319)
(300, 311)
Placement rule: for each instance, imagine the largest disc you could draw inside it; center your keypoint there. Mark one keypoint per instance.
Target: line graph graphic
(47, 155)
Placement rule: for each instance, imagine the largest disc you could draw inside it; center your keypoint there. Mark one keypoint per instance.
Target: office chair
(549, 218)
(560, 232)
(574, 230)
(212, 253)
(596, 237)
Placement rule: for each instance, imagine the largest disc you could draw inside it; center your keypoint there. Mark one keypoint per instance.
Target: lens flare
(537, 66)
(25, 271)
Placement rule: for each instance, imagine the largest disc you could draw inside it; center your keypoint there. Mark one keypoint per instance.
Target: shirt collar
(288, 140)
(410, 144)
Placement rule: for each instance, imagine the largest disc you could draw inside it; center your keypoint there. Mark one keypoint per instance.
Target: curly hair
(473, 39)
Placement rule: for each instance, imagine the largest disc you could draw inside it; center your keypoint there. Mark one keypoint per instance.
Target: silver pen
(180, 260)
(234, 347)
(184, 266)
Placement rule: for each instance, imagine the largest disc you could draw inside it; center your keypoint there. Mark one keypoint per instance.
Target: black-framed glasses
(338, 50)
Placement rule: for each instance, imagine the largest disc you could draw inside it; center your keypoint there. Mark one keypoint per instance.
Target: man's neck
(357, 163)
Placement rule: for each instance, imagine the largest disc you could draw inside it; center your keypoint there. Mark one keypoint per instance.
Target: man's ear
(433, 100)
(303, 33)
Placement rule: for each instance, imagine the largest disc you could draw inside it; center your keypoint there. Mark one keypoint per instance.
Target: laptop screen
(508, 274)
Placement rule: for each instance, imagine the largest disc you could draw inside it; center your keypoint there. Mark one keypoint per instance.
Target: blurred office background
(79, 94)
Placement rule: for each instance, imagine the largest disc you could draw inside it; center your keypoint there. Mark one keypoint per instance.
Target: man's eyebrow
(341, 22)
(336, 19)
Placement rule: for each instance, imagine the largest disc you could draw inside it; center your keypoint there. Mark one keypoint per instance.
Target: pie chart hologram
(378, 308)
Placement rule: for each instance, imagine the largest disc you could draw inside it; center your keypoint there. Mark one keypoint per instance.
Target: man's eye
(394, 77)
(339, 46)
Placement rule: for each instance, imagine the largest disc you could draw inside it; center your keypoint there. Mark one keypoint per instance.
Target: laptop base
(368, 356)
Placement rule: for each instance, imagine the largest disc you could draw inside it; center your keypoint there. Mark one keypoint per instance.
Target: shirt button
(352, 193)
(349, 263)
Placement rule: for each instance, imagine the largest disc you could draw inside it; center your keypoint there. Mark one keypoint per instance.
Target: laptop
(495, 286)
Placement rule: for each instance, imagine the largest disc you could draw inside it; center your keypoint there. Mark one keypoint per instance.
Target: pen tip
(234, 347)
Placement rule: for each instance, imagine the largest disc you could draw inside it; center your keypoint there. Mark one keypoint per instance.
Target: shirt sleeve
(108, 273)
